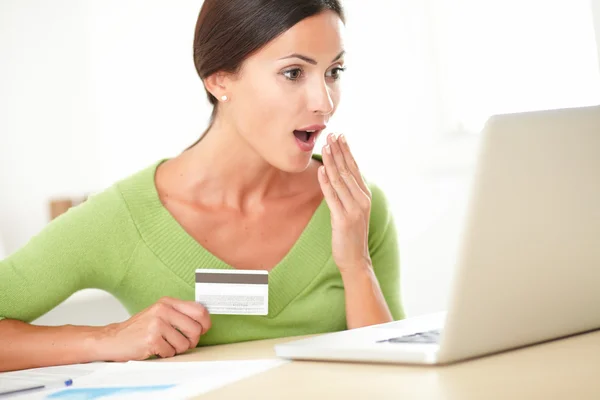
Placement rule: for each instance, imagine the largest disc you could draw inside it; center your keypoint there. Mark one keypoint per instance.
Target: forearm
(28, 346)
(365, 304)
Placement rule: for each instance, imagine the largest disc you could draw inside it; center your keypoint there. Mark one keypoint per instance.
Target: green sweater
(124, 241)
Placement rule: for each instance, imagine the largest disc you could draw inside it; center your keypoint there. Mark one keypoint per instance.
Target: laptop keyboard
(420, 337)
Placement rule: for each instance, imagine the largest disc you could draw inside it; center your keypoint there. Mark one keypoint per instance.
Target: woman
(248, 195)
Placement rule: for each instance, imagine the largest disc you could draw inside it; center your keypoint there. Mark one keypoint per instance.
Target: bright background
(92, 91)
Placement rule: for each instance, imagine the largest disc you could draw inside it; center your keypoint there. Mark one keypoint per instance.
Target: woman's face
(289, 86)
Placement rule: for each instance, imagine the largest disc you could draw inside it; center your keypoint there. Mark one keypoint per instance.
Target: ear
(217, 84)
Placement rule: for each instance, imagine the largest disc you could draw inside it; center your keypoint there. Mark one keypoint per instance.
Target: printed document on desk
(42, 376)
(158, 380)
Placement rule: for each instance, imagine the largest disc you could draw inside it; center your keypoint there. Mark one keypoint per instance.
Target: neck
(228, 172)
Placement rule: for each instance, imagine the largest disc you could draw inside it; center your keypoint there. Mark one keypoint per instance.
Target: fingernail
(343, 139)
(333, 138)
(327, 149)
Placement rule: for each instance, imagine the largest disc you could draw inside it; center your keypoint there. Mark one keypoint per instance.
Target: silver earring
(224, 98)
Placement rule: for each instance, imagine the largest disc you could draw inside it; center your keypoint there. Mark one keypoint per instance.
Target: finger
(335, 206)
(163, 348)
(359, 195)
(195, 311)
(333, 175)
(177, 341)
(189, 328)
(352, 165)
(359, 200)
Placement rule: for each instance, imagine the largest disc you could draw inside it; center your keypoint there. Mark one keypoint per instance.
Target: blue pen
(38, 386)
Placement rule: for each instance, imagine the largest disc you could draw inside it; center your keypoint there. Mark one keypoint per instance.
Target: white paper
(147, 380)
(44, 376)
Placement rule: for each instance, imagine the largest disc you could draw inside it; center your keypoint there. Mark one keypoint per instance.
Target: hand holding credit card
(233, 292)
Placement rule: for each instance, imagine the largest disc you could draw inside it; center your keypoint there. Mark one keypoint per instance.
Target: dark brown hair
(228, 31)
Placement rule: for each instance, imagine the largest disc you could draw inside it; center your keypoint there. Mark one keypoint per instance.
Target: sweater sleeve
(383, 248)
(87, 247)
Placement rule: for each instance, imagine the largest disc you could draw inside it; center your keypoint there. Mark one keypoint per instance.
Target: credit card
(233, 292)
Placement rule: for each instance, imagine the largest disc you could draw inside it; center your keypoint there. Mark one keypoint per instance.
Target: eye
(293, 74)
(335, 73)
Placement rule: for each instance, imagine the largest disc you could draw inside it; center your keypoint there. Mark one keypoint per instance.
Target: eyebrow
(310, 60)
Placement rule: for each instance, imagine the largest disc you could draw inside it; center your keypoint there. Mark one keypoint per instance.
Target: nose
(320, 102)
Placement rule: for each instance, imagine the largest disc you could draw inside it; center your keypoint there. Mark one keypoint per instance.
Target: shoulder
(138, 191)
(112, 202)
(89, 234)
(380, 207)
(104, 214)
(140, 182)
(381, 218)
(107, 212)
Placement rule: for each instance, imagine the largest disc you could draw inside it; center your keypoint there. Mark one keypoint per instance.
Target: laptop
(528, 264)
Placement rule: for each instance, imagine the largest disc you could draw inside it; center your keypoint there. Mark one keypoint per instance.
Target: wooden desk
(563, 369)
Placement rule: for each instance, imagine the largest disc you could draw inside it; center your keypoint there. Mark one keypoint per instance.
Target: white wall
(88, 97)
(3, 252)
(596, 18)
(148, 99)
(46, 123)
(91, 91)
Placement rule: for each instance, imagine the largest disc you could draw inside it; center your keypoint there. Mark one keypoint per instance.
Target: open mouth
(305, 136)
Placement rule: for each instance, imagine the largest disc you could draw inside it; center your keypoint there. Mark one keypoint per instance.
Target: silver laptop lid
(529, 261)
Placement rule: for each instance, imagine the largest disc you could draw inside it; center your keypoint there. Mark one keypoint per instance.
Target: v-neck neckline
(183, 254)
